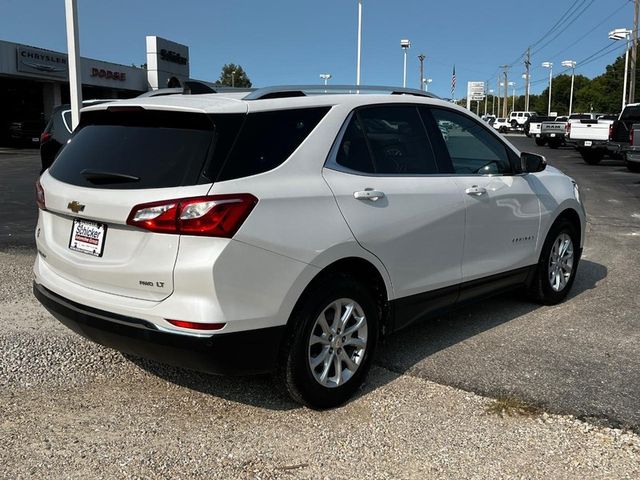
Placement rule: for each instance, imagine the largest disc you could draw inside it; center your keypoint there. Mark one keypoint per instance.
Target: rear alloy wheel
(514, 124)
(556, 269)
(330, 349)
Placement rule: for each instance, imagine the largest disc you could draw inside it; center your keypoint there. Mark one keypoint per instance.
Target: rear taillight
(40, 196)
(611, 131)
(44, 137)
(631, 136)
(568, 129)
(211, 216)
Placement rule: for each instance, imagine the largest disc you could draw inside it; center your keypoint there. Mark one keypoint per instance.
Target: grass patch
(512, 407)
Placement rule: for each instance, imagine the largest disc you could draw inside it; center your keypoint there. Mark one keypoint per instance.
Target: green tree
(233, 75)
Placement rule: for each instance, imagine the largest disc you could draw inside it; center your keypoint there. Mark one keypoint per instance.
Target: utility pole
(498, 95)
(505, 103)
(634, 53)
(527, 64)
(421, 57)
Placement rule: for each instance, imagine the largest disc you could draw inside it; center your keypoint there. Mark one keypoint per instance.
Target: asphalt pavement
(19, 170)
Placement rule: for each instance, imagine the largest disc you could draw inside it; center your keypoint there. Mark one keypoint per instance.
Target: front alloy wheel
(556, 269)
(338, 343)
(561, 262)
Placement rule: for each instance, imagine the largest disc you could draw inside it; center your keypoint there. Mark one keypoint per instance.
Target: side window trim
(331, 160)
(511, 155)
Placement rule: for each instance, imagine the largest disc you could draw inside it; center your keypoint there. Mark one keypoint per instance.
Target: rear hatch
(117, 159)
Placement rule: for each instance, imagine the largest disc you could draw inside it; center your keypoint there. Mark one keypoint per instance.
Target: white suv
(289, 232)
(518, 119)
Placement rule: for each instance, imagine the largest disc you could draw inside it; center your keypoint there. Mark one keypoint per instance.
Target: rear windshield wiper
(100, 177)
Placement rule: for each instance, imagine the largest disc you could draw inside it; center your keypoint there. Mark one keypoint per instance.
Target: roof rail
(304, 90)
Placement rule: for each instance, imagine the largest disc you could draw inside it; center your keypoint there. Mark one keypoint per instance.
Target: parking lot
(72, 408)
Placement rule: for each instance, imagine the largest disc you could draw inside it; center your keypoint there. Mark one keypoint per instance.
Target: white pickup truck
(590, 137)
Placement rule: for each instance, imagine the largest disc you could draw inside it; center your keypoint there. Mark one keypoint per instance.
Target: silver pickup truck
(553, 133)
(533, 128)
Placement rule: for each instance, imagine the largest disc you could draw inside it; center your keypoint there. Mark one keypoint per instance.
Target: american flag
(453, 83)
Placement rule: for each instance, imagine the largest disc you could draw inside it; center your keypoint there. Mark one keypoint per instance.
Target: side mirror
(532, 162)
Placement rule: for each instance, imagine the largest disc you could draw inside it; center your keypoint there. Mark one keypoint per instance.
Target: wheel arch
(361, 269)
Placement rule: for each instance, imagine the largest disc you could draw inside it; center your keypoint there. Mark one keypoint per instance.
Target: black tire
(540, 289)
(514, 124)
(540, 141)
(553, 143)
(502, 130)
(632, 166)
(591, 156)
(295, 369)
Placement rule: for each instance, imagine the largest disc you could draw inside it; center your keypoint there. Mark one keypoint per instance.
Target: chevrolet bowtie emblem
(76, 207)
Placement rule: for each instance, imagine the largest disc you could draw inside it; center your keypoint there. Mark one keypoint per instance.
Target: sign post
(73, 48)
(475, 92)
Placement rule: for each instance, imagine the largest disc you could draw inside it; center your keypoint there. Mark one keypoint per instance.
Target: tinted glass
(353, 152)
(472, 148)
(631, 113)
(397, 140)
(135, 150)
(267, 139)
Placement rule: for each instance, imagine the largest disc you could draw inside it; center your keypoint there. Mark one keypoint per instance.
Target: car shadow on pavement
(399, 353)
(262, 391)
(405, 348)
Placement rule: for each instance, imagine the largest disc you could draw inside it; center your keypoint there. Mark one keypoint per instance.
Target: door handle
(476, 191)
(371, 195)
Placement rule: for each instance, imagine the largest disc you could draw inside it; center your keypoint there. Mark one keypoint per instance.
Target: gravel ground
(72, 409)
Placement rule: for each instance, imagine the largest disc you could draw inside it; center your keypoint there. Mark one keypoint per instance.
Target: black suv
(58, 132)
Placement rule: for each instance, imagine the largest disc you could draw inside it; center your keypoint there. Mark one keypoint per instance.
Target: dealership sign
(108, 74)
(41, 62)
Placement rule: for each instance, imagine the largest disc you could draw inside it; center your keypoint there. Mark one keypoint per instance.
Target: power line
(624, 4)
(571, 22)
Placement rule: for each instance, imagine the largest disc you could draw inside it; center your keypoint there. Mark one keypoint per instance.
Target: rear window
(131, 150)
(631, 113)
(154, 149)
(267, 139)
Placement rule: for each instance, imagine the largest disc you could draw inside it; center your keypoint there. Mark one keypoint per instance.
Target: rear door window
(388, 140)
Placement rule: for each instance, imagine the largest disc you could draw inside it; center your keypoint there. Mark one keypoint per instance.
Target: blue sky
(289, 42)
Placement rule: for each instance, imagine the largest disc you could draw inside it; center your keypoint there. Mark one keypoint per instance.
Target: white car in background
(283, 231)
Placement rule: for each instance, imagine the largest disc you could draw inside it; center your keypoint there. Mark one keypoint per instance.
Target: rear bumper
(601, 144)
(247, 352)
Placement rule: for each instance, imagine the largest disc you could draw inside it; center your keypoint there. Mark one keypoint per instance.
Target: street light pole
(326, 77)
(359, 42)
(421, 57)
(405, 44)
(621, 34)
(572, 65)
(513, 102)
(73, 49)
(426, 82)
(549, 65)
(233, 78)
